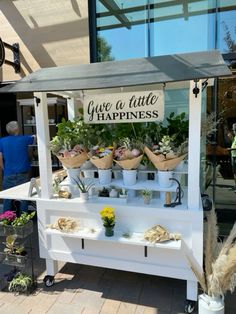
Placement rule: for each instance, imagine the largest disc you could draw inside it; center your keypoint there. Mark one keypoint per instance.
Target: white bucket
(164, 178)
(104, 176)
(210, 305)
(129, 177)
(72, 175)
(84, 196)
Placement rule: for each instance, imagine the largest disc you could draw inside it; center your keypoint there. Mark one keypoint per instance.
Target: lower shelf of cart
(119, 237)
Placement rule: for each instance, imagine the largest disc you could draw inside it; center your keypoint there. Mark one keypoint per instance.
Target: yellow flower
(108, 216)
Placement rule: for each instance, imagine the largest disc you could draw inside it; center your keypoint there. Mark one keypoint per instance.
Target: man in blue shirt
(14, 160)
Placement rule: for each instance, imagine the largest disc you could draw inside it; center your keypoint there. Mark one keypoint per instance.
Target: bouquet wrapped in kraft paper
(102, 157)
(163, 157)
(69, 144)
(72, 161)
(129, 154)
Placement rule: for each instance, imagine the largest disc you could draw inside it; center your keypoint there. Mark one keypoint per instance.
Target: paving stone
(88, 299)
(14, 308)
(128, 308)
(60, 308)
(42, 301)
(110, 307)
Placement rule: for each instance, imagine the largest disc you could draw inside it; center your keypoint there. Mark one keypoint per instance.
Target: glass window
(227, 27)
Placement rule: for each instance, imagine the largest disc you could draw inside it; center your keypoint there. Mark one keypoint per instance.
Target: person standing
(14, 161)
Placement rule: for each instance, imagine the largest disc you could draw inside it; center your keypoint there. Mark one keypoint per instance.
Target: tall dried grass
(218, 274)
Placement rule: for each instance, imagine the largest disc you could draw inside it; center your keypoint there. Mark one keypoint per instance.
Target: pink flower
(8, 216)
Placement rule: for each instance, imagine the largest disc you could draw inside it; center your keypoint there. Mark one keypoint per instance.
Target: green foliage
(177, 128)
(23, 219)
(83, 187)
(20, 283)
(10, 244)
(103, 50)
(146, 193)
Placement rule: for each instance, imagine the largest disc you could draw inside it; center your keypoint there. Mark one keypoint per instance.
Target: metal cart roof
(162, 69)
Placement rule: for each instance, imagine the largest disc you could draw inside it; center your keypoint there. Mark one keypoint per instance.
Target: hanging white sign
(143, 106)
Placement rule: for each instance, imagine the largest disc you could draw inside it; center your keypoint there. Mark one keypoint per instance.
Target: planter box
(13, 259)
(20, 231)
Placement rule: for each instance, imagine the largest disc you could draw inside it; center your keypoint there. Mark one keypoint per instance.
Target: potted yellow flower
(108, 218)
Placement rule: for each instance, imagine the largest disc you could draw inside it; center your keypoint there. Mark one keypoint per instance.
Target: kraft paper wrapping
(129, 164)
(161, 163)
(73, 162)
(104, 162)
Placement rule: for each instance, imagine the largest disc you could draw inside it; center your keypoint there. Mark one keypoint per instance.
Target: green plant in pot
(83, 187)
(10, 245)
(147, 195)
(20, 283)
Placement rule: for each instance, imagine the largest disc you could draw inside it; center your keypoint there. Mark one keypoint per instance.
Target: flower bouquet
(72, 158)
(101, 157)
(163, 156)
(108, 218)
(129, 153)
(69, 143)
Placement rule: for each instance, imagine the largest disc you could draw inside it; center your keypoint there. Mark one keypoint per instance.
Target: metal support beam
(16, 56)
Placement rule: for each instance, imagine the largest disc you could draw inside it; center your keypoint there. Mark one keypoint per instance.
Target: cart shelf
(134, 239)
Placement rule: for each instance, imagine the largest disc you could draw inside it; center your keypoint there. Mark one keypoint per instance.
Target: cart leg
(192, 289)
(51, 267)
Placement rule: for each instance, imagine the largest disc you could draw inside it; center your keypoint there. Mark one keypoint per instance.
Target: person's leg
(23, 178)
(8, 182)
(233, 162)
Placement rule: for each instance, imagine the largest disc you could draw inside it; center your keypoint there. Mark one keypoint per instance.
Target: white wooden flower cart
(89, 245)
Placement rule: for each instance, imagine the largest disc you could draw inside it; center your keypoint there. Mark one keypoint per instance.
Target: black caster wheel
(190, 306)
(48, 281)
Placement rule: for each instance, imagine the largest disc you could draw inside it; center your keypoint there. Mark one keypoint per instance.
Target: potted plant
(84, 188)
(23, 225)
(113, 192)
(108, 218)
(6, 219)
(14, 253)
(123, 193)
(147, 195)
(218, 273)
(10, 246)
(20, 283)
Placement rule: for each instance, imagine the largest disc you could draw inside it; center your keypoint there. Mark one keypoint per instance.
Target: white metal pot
(73, 174)
(84, 196)
(104, 176)
(129, 177)
(210, 305)
(164, 178)
(113, 193)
